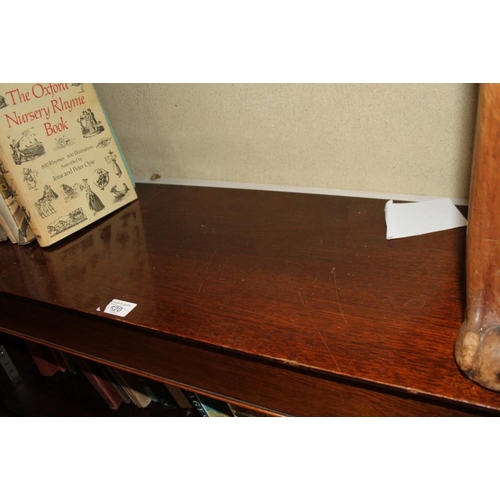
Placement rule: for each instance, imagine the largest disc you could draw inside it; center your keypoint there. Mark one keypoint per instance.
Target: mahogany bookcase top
(294, 303)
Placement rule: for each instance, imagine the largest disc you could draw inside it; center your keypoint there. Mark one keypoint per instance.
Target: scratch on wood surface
(338, 298)
(319, 333)
(207, 268)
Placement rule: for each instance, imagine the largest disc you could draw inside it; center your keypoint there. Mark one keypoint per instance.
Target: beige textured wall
(400, 138)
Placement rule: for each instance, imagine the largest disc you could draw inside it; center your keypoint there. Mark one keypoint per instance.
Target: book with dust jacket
(60, 158)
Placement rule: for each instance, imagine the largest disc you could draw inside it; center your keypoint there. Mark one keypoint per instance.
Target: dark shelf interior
(64, 394)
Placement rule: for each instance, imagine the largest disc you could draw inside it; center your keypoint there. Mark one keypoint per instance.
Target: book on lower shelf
(162, 395)
(134, 387)
(207, 406)
(60, 158)
(215, 407)
(179, 397)
(195, 401)
(44, 358)
(204, 406)
(96, 376)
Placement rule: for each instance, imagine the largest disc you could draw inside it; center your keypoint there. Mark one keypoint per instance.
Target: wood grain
(291, 302)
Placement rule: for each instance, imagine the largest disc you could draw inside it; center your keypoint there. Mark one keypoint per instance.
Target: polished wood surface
(293, 303)
(477, 349)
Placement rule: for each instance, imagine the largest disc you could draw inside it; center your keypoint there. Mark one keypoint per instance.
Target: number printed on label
(119, 307)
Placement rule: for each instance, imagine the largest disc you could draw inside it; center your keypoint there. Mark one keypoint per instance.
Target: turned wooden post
(477, 347)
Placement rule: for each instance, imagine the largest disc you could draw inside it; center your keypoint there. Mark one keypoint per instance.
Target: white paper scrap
(412, 219)
(119, 307)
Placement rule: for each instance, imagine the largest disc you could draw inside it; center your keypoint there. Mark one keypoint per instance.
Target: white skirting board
(296, 189)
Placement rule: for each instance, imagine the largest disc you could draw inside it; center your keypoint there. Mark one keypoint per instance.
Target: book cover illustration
(61, 160)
